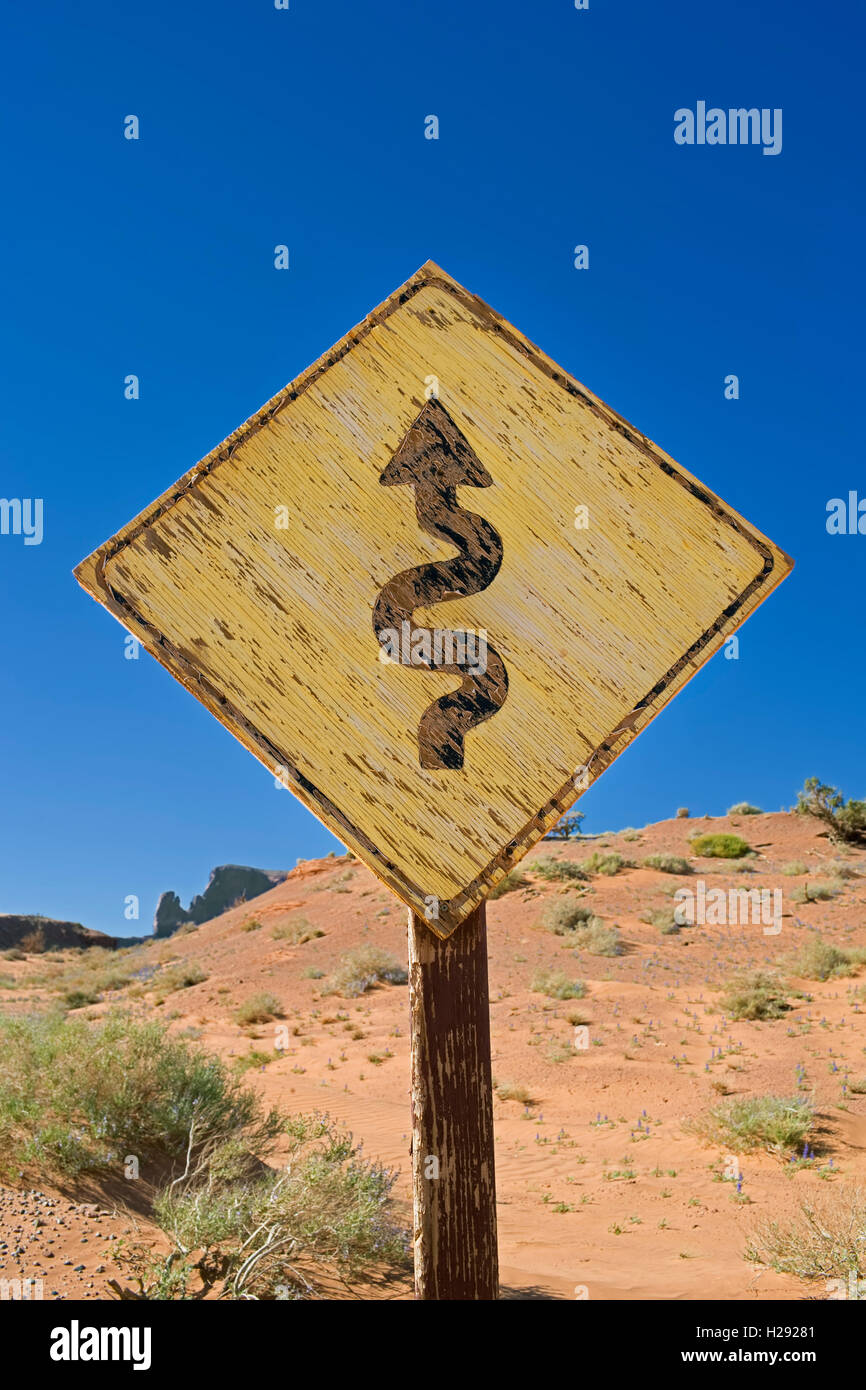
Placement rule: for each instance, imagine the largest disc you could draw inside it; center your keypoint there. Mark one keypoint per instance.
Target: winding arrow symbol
(436, 458)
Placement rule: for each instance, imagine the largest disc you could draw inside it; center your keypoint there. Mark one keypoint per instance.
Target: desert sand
(603, 1189)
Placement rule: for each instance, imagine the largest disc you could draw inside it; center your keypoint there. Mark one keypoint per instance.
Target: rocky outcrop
(32, 933)
(169, 915)
(227, 885)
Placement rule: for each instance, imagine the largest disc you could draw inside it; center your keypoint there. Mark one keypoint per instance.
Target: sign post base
(452, 1113)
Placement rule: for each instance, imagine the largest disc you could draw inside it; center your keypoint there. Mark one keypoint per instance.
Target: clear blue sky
(306, 127)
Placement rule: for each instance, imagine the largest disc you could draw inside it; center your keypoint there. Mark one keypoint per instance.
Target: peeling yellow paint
(271, 628)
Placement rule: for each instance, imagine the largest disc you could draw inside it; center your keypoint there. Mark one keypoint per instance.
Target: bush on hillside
(557, 985)
(564, 915)
(76, 1099)
(778, 1123)
(567, 827)
(755, 995)
(598, 939)
(363, 968)
(607, 864)
(846, 819)
(297, 932)
(720, 846)
(667, 864)
(556, 870)
(825, 1240)
(821, 960)
(259, 1008)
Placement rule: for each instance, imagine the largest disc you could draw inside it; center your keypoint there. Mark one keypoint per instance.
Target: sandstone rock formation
(32, 933)
(228, 884)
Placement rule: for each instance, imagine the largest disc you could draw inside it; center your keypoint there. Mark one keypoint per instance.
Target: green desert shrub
(296, 931)
(180, 976)
(276, 1235)
(667, 864)
(80, 998)
(115, 977)
(845, 819)
(744, 808)
(76, 1097)
(564, 915)
(817, 891)
(259, 1008)
(509, 1090)
(254, 1060)
(557, 985)
(607, 864)
(598, 939)
(556, 870)
(363, 968)
(664, 920)
(86, 976)
(781, 1124)
(795, 869)
(755, 995)
(567, 827)
(719, 846)
(825, 1240)
(839, 869)
(818, 959)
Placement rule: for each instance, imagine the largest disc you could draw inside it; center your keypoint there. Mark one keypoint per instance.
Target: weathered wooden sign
(437, 586)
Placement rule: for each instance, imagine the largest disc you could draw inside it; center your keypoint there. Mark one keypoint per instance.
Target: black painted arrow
(436, 458)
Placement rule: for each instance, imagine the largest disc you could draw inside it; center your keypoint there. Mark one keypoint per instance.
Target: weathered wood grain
(452, 1113)
(272, 628)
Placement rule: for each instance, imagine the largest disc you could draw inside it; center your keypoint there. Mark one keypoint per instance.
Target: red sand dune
(599, 1183)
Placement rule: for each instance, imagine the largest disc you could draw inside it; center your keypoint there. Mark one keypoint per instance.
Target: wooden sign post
(452, 1113)
(294, 582)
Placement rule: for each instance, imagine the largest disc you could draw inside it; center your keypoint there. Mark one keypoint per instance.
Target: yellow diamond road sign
(436, 586)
